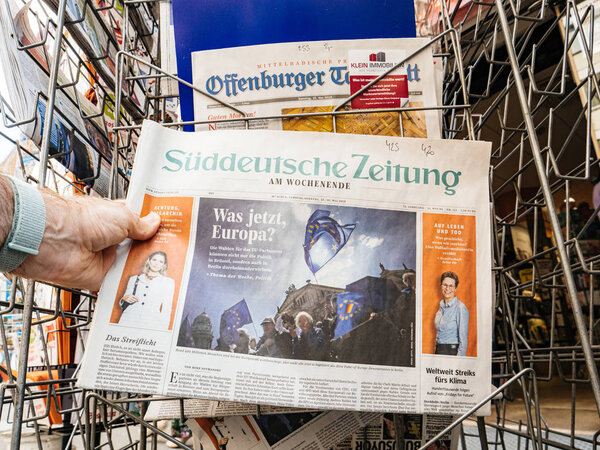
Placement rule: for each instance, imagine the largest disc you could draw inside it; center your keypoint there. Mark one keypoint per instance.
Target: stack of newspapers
(315, 290)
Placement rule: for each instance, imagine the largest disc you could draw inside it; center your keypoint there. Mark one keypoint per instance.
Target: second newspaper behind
(316, 77)
(306, 270)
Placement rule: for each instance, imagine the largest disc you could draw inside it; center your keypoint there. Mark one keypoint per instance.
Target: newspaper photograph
(317, 76)
(310, 430)
(306, 270)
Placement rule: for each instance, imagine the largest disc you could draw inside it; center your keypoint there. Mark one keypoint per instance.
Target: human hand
(80, 239)
(130, 299)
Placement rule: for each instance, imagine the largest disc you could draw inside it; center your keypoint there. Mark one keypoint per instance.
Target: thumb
(108, 257)
(143, 228)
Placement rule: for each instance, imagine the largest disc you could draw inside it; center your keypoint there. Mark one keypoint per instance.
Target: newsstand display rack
(507, 79)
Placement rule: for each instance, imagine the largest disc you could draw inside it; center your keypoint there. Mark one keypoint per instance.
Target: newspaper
(323, 430)
(311, 430)
(203, 26)
(414, 429)
(195, 407)
(317, 76)
(302, 270)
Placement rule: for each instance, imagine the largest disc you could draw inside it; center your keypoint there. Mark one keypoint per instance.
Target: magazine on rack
(168, 60)
(99, 31)
(302, 270)
(83, 148)
(317, 76)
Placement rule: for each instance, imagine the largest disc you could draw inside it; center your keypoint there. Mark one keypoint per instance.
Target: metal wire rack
(520, 74)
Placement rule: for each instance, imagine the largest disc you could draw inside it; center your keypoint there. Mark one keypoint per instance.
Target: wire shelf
(520, 74)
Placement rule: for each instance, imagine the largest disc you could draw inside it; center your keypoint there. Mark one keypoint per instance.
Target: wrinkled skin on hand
(80, 239)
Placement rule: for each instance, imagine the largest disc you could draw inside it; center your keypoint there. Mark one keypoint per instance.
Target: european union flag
(351, 312)
(323, 239)
(373, 290)
(233, 318)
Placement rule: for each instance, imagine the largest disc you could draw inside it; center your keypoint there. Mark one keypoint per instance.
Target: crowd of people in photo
(303, 337)
(292, 337)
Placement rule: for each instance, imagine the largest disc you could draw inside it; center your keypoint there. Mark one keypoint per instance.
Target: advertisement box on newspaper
(308, 270)
(318, 76)
(366, 66)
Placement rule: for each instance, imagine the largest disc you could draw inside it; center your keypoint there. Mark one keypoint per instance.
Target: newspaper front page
(306, 270)
(317, 76)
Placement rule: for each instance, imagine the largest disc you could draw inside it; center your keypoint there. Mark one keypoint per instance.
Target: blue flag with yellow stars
(323, 239)
(233, 318)
(351, 312)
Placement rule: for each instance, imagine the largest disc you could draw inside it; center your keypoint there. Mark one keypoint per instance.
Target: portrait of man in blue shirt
(451, 320)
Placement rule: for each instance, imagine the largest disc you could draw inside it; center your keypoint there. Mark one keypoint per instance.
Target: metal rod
(483, 442)
(45, 147)
(474, 409)
(15, 443)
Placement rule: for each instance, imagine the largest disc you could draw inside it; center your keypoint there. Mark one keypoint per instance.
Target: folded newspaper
(308, 270)
(411, 430)
(335, 430)
(301, 431)
(194, 407)
(216, 423)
